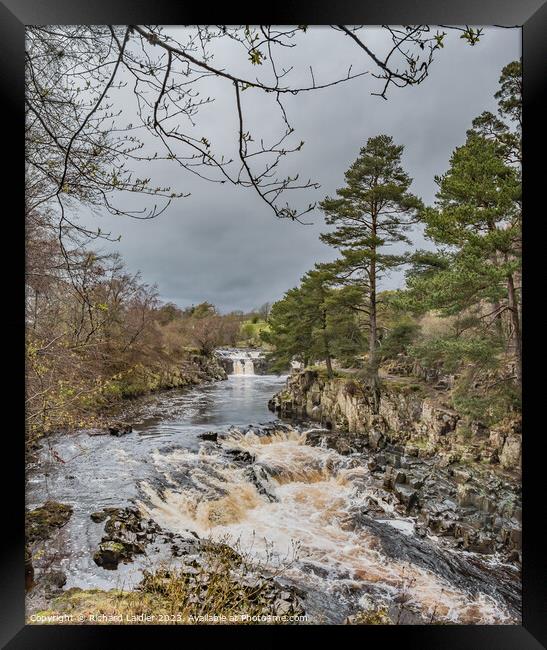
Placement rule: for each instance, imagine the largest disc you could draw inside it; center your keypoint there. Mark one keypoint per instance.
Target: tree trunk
(499, 317)
(497, 304)
(328, 360)
(373, 334)
(328, 363)
(515, 322)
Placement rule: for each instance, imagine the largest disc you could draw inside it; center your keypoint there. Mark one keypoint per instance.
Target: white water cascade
(244, 367)
(239, 362)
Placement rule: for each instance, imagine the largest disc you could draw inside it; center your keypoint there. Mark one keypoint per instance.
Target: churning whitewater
(213, 462)
(302, 505)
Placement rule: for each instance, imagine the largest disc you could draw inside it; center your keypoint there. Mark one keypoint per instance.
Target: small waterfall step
(245, 361)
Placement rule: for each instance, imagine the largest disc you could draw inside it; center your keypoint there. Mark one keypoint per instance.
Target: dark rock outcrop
(126, 534)
(119, 428)
(42, 522)
(40, 525)
(467, 574)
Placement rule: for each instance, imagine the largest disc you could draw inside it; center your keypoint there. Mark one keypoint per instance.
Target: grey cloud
(223, 245)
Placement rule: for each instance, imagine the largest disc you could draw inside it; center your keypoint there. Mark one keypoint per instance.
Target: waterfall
(244, 366)
(239, 362)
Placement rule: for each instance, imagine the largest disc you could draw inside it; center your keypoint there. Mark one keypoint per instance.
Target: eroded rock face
(411, 413)
(439, 470)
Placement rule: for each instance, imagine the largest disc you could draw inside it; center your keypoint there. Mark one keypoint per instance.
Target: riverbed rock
(119, 428)
(406, 495)
(212, 436)
(466, 573)
(42, 522)
(110, 554)
(127, 533)
(240, 456)
(257, 475)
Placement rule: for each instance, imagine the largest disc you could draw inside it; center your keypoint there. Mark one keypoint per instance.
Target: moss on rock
(42, 522)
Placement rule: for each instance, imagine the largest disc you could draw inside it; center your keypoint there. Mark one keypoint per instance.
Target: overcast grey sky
(224, 245)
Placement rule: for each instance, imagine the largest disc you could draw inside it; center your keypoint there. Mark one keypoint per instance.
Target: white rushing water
(242, 360)
(244, 367)
(303, 519)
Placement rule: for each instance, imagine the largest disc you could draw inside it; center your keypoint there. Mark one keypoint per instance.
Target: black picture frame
(531, 15)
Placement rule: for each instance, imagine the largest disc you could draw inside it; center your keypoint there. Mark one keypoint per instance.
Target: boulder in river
(128, 533)
(119, 428)
(41, 522)
(110, 554)
(209, 435)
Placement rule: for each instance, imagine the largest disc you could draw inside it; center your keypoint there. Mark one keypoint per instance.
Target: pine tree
(478, 220)
(372, 212)
(505, 128)
(313, 322)
(288, 336)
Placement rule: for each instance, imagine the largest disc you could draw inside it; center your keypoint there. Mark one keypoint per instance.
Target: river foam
(304, 505)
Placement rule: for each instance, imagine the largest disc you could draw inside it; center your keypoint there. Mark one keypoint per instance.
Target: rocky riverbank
(197, 369)
(40, 525)
(412, 414)
(208, 578)
(112, 412)
(463, 484)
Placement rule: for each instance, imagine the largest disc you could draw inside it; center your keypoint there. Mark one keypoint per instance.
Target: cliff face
(460, 481)
(412, 414)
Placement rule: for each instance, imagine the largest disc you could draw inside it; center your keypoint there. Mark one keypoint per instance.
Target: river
(289, 502)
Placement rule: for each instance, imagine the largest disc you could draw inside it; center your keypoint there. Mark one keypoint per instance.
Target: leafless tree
(79, 148)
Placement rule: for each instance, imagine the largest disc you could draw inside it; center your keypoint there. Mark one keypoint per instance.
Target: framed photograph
(274, 371)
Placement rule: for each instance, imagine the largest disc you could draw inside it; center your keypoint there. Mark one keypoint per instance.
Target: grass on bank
(224, 582)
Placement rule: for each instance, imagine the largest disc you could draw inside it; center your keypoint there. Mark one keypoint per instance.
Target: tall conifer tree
(371, 213)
